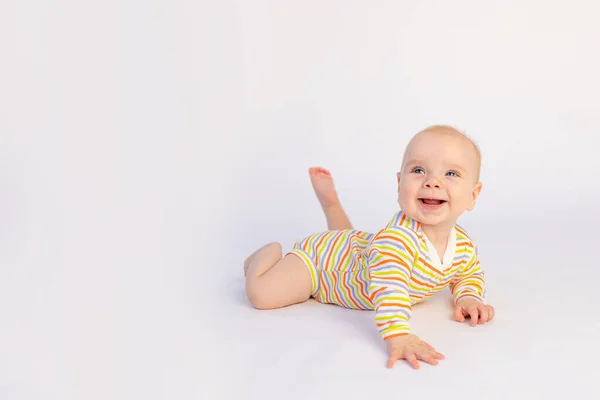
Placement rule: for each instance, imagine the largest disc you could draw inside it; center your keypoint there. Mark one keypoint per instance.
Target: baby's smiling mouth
(432, 202)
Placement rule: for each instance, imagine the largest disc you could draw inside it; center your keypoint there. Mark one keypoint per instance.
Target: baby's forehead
(427, 142)
(444, 146)
(446, 160)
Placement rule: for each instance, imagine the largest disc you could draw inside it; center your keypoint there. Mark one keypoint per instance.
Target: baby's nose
(433, 183)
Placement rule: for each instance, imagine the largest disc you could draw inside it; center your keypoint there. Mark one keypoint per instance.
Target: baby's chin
(430, 218)
(435, 222)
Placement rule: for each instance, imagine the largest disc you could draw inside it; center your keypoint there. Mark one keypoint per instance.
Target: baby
(420, 252)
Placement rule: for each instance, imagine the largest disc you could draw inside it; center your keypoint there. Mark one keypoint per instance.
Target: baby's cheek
(406, 194)
(463, 200)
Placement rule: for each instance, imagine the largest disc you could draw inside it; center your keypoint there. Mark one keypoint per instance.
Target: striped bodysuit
(389, 271)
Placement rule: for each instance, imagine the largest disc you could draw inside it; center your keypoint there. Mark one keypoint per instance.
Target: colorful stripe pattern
(467, 282)
(387, 272)
(336, 263)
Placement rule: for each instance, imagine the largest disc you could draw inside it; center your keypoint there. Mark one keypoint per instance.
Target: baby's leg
(273, 282)
(322, 183)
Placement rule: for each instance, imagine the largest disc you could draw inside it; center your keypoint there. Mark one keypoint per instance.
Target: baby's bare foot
(247, 262)
(322, 183)
(251, 256)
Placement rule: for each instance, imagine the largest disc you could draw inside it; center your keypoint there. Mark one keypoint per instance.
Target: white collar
(448, 255)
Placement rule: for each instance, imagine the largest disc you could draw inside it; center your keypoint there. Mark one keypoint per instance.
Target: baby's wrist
(396, 341)
(469, 296)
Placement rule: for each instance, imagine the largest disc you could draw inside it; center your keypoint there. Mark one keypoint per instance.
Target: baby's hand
(479, 313)
(411, 348)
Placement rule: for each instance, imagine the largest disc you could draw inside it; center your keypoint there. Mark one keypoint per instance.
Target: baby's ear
(398, 174)
(475, 194)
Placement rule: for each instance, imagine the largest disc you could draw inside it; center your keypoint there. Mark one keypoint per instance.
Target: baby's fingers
(432, 350)
(391, 360)
(411, 358)
(474, 313)
(484, 314)
(430, 347)
(458, 314)
(428, 357)
(492, 313)
(395, 355)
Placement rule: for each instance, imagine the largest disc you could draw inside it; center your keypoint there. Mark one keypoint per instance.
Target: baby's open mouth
(432, 202)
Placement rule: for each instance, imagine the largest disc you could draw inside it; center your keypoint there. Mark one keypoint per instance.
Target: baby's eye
(418, 170)
(451, 173)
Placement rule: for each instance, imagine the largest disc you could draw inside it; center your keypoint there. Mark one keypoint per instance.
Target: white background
(146, 147)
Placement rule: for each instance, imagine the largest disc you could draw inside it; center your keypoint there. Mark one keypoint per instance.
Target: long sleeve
(391, 257)
(469, 281)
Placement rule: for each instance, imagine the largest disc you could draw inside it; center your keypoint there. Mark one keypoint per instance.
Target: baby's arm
(468, 290)
(390, 259)
(469, 281)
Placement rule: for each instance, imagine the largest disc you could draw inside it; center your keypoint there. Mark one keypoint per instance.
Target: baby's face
(439, 178)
